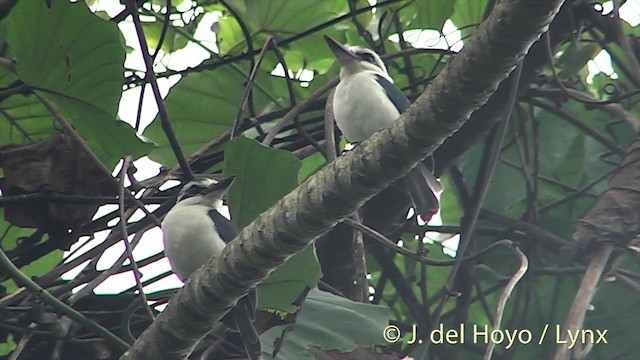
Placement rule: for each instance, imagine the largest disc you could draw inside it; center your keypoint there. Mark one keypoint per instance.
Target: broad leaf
(75, 60)
(328, 322)
(202, 106)
(262, 177)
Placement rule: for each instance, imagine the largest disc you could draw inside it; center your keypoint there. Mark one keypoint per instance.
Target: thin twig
(579, 124)
(287, 41)
(408, 64)
(125, 236)
(243, 27)
(484, 178)
(506, 293)
(292, 97)
(105, 274)
(162, 110)
(70, 131)
(19, 277)
(611, 105)
(250, 81)
(8, 64)
(385, 241)
(297, 110)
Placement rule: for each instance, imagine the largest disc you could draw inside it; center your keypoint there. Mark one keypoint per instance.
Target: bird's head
(355, 59)
(204, 191)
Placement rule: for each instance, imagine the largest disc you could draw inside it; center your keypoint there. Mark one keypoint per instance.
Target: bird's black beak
(221, 186)
(342, 53)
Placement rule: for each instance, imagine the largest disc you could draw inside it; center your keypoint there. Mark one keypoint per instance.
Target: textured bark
(615, 217)
(343, 186)
(482, 120)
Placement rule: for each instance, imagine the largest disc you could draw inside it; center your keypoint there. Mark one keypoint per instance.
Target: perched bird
(194, 232)
(365, 101)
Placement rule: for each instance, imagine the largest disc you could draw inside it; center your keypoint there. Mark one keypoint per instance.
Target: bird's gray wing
(225, 227)
(421, 186)
(395, 95)
(420, 182)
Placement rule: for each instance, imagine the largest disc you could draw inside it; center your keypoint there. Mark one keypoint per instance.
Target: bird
(366, 101)
(194, 231)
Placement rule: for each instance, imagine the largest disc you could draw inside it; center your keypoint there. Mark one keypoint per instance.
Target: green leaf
(7, 347)
(283, 287)
(450, 209)
(430, 14)
(11, 233)
(311, 53)
(468, 15)
(173, 40)
(202, 106)
(310, 165)
(328, 322)
(575, 57)
(262, 177)
(507, 189)
(229, 37)
(289, 17)
(23, 119)
(75, 60)
(38, 267)
(364, 19)
(281, 19)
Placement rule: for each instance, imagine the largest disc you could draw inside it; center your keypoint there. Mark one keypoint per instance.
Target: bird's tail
(423, 187)
(243, 314)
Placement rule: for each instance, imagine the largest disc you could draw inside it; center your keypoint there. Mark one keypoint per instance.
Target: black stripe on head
(194, 188)
(369, 56)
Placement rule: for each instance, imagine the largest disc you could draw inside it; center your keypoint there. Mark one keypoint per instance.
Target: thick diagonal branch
(344, 185)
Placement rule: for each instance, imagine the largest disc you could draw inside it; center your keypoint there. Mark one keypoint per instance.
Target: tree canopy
(536, 146)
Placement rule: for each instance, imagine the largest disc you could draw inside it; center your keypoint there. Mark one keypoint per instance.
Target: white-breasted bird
(194, 231)
(365, 101)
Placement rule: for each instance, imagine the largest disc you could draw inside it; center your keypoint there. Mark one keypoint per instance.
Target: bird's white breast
(190, 238)
(361, 106)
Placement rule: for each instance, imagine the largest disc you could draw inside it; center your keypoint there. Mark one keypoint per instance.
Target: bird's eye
(368, 57)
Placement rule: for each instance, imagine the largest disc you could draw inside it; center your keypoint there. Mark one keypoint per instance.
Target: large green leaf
(75, 60)
(286, 17)
(284, 286)
(429, 14)
(507, 187)
(310, 165)
(204, 105)
(328, 322)
(263, 176)
(282, 19)
(172, 41)
(468, 14)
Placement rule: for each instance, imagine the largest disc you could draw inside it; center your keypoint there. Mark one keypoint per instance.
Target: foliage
(566, 136)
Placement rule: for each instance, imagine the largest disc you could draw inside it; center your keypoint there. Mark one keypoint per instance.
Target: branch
(484, 118)
(59, 306)
(340, 188)
(613, 220)
(582, 301)
(132, 6)
(502, 302)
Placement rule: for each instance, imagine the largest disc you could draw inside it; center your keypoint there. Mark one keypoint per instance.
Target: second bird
(365, 101)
